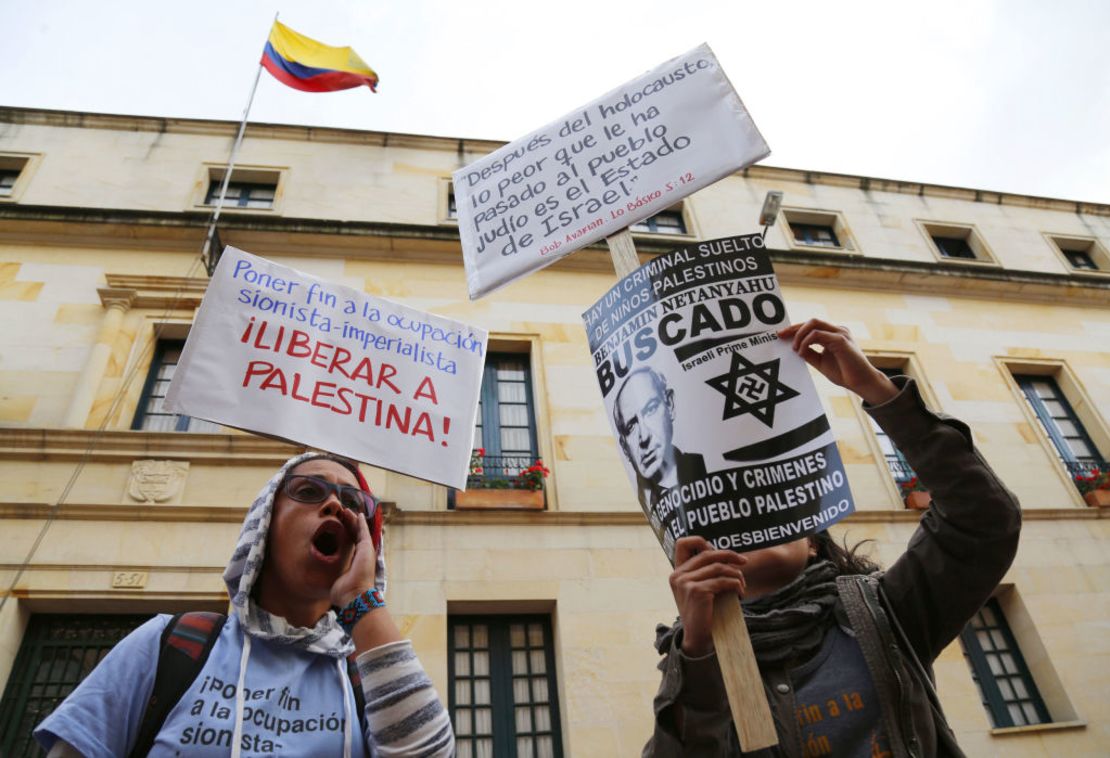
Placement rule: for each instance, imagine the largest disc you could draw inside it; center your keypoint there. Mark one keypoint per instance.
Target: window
(1060, 423)
(7, 181)
(670, 221)
(452, 207)
(953, 247)
(814, 234)
(956, 242)
(822, 229)
(57, 653)
(151, 414)
(502, 693)
(241, 194)
(11, 168)
(506, 425)
(1005, 684)
(1080, 259)
(1082, 254)
(896, 463)
(252, 188)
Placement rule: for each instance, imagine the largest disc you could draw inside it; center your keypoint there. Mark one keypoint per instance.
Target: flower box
(1098, 498)
(918, 500)
(490, 499)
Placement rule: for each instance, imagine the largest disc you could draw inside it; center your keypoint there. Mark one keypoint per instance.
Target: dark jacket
(902, 618)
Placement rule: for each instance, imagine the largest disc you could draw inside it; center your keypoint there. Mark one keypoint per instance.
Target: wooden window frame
(967, 232)
(810, 217)
(650, 225)
(502, 703)
(1092, 247)
(23, 165)
(1003, 642)
(1072, 389)
(275, 176)
(157, 360)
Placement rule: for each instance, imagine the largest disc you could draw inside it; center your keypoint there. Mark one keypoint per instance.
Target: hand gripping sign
(620, 159)
(718, 421)
(283, 353)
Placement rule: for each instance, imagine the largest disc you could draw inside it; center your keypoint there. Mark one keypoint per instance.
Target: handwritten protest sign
(620, 159)
(284, 353)
(720, 426)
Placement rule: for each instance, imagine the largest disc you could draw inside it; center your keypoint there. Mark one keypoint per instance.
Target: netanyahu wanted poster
(720, 428)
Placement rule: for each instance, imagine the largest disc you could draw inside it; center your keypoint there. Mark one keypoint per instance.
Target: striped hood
(245, 565)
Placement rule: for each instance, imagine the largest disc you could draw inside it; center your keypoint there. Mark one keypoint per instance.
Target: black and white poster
(719, 424)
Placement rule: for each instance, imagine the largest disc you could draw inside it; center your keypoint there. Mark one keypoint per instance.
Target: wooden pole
(744, 686)
(746, 698)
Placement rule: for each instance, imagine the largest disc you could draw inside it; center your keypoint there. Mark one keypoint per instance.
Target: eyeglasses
(313, 490)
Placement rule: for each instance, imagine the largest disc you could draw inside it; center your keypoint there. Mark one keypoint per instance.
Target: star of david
(752, 388)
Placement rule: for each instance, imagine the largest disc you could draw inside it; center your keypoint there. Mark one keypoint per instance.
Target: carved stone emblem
(156, 481)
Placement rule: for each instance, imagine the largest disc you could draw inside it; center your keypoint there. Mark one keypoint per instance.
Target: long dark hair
(846, 559)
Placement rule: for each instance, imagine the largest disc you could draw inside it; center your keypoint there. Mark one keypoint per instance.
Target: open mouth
(328, 540)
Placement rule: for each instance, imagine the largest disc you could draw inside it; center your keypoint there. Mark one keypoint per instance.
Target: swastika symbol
(752, 389)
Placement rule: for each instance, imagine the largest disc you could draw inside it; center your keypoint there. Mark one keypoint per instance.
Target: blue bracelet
(359, 607)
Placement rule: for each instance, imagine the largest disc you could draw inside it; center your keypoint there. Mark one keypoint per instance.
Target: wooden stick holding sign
(588, 176)
(750, 712)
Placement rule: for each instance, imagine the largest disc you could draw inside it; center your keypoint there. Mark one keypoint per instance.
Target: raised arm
(968, 537)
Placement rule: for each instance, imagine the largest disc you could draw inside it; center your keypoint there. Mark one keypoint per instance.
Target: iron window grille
(57, 653)
(151, 414)
(502, 691)
(242, 194)
(1006, 687)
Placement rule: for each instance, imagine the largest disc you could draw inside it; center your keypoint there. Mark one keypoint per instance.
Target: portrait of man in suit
(643, 412)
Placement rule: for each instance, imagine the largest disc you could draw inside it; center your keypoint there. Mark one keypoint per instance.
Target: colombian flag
(308, 65)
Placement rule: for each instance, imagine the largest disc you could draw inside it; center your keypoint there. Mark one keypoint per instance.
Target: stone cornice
(440, 245)
(120, 446)
(836, 270)
(471, 149)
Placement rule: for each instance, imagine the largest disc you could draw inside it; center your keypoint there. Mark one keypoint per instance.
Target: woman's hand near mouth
(361, 570)
(376, 628)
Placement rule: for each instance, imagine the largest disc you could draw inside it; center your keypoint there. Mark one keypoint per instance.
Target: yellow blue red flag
(311, 66)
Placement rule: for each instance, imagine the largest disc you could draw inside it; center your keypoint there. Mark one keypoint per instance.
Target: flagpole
(205, 253)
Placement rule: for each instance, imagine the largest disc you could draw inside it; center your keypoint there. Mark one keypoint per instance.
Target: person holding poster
(276, 679)
(844, 650)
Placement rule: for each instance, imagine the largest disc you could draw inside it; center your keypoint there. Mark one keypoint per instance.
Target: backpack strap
(186, 642)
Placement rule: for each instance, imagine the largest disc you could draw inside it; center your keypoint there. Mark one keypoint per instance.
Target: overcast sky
(1011, 96)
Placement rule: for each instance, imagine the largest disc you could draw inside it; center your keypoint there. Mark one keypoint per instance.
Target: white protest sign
(721, 429)
(284, 353)
(620, 159)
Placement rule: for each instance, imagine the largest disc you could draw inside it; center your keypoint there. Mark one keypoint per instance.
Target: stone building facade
(998, 304)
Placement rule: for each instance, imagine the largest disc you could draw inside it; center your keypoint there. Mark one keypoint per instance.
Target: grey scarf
(791, 622)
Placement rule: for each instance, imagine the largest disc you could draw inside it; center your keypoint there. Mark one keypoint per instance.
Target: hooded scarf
(245, 565)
